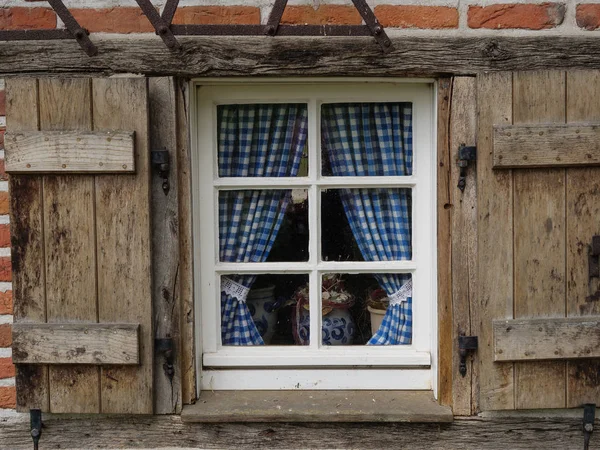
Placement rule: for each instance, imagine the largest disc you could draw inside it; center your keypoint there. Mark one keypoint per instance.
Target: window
(314, 230)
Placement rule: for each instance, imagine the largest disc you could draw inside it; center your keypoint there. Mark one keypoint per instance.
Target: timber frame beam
(216, 56)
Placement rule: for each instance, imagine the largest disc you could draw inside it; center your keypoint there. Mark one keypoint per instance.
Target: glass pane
(269, 310)
(262, 140)
(366, 224)
(366, 139)
(263, 225)
(354, 307)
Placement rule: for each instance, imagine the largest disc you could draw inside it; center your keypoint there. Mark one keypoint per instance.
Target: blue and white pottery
(263, 307)
(338, 328)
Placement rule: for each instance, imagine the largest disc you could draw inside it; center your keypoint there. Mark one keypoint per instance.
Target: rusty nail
(64, 166)
(525, 157)
(101, 164)
(508, 134)
(28, 166)
(377, 30)
(387, 42)
(124, 166)
(541, 133)
(79, 34)
(589, 156)
(109, 139)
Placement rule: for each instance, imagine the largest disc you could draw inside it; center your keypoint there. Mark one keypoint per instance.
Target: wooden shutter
(538, 207)
(81, 243)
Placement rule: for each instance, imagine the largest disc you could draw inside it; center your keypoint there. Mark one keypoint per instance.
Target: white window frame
(314, 366)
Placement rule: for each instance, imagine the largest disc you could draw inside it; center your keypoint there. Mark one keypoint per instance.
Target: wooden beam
(69, 152)
(210, 56)
(551, 145)
(93, 343)
(537, 339)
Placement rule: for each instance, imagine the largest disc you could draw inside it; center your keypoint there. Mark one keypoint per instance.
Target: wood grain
(209, 56)
(69, 152)
(69, 242)
(463, 130)
(583, 211)
(27, 243)
(539, 238)
(546, 145)
(96, 344)
(165, 246)
(123, 242)
(537, 339)
(494, 242)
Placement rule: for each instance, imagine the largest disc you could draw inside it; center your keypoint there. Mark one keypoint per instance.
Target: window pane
(366, 139)
(366, 224)
(268, 312)
(357, 310)
(262, 140)
(262, 225)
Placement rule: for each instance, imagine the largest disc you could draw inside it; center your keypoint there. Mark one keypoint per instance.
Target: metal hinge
(165, 348)
(465, 155)
(35, 421)
(465, 344)
(160, 162)
(589, 415)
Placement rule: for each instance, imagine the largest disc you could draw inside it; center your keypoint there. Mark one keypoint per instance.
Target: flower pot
(263, 307)
(376, 318)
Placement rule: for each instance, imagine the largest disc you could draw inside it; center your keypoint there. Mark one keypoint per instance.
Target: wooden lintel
(70, 152)
(212, 56)
(94, 343)
(551, 145)
(546, 339)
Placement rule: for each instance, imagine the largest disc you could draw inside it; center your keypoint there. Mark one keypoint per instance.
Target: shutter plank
(123, 239)
(65, 104)
(95, 343)
(494, 242)
(27, 243)
(583, 213)
(539, 244)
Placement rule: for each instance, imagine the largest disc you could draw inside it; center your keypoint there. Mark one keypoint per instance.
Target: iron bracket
(79, 33)
(589, 416)
(275, 17)
(161, 26)
(466, 344)
(165, 347)
(373, 24)
(35, 421)
(160, 162)
(594, 258)
(465, 156)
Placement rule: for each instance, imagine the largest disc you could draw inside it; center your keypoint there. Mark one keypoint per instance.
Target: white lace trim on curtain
(402, 294)
(234, 289)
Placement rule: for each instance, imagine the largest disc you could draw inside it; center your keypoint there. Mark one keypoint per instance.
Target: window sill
(316, 406)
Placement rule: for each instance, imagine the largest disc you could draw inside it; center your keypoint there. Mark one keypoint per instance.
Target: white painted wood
(295, 379)
(70, 152)
(206, 186)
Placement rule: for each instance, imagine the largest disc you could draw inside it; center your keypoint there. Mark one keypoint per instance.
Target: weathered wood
(583, 211)
(537, 339)
(188, 338)
(316, 406)
(463, 128)
(165, 246)
(546, 145)
(69, 242)
(289, 56)
(123, 240)
(494, 242)
(516, 433)
(444, 243)
(94, 343)
(69, 152)
(539, 238)
(27, 243)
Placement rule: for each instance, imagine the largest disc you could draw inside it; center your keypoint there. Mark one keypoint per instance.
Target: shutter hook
(589, 415)
(35, 420)
(160, 162)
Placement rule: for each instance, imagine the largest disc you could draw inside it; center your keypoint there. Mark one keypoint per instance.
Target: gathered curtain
(260, 140)
(367, 139)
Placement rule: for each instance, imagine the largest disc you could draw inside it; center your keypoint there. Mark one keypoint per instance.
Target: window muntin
(418, 179)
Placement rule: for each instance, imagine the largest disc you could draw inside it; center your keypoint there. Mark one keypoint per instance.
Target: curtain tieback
(234, 289)
(402, 294)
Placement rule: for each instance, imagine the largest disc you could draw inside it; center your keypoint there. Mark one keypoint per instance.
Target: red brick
(3, 202)
(27, 18)
(4, 235)
(6, 304)
(3, 175)
(2, 102)
(113, 20)
(323, 15)
(5, 270)
(404, 16)
(7, 369)
(8, 397)
(5, 335)
(588, 16)
(523, 16)
(217, 15)
(2, 131)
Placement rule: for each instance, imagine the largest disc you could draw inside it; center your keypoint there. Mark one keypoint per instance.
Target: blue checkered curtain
(375, 139)
(261, 140)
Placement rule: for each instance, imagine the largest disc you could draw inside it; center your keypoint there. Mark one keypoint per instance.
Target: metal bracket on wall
(465, 156)
(35, 422)
(165, 348)
(160, 162)
(589, 416)
(466, 344)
